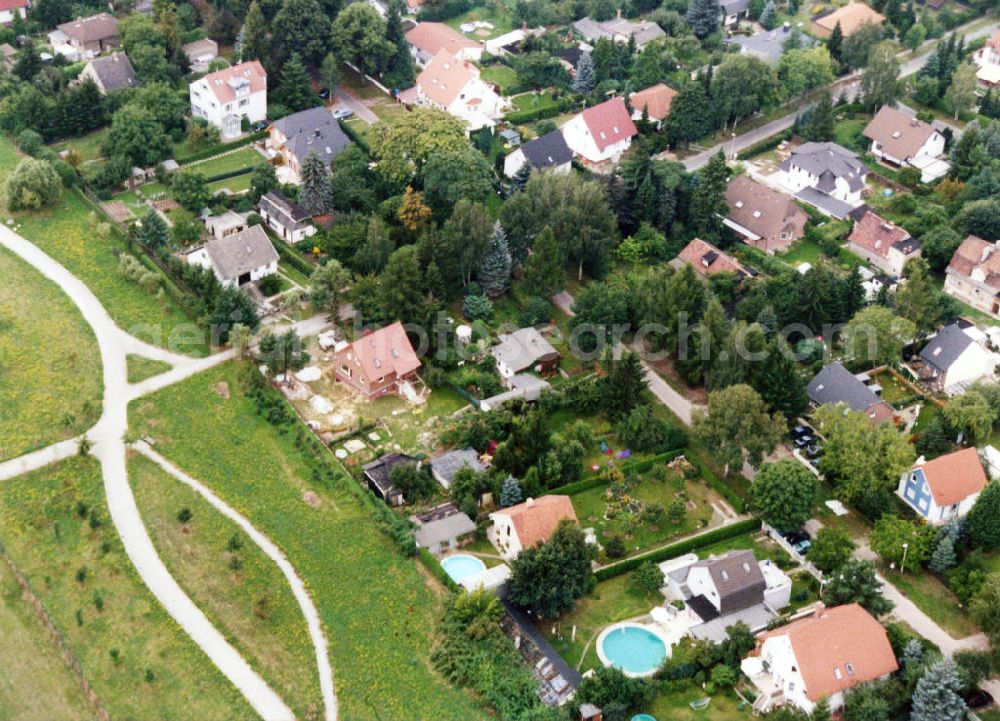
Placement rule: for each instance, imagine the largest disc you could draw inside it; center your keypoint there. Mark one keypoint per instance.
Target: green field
(35, 683)
(50, 367)
(236, 184)
(252, 606)
(139, 662)
(933, 598)
(88, 146)
(378, 608)
(139, 368)
(498, 15)
(243, 158)
(503, 75)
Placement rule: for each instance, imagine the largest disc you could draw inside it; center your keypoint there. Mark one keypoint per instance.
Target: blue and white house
(944, 489)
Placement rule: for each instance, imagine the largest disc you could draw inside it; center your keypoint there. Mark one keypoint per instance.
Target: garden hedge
(735, 500)
(294, 258)
(214, 150)
(597, 479)
(228, 174)
(519, 117)
(353, 135)
(676, 549)
(437, 570)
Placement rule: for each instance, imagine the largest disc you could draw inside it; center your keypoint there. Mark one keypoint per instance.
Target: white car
(342, 113)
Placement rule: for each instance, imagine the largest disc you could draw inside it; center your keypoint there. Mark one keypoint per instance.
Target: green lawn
(253, 606)
(761, 546)
(503, 75)
(674, 705)
(36, 683)
(236, 184)
(933, 598)
(243, 158)
(893, 390)
(139, 662)
(533, 101)
(50, 366)
(377, 607)
(497, 15)
(139, 368)
(88, 146)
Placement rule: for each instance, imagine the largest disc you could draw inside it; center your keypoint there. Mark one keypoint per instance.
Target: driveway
(345, 99)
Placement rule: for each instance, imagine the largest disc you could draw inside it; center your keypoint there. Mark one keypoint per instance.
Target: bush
(33, 185)
(647, 578)
(537, 311)
(477, 307)
(270, 284)
(30, 142)
(615, 547)
(643, 432)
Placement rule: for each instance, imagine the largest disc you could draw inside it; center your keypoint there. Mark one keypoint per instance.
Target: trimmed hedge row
(676, 549)
(735, 500)
(434, 566)
(766, 144)
(596, 479)
(519, 117)
(221, 148)
(353, 135)
(293, 258)
(228, 174)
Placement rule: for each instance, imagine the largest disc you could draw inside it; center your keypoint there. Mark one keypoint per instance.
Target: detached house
(835, 384)
(110, 73)
(378, 363)
(288, 220)
(654, 101)
(818, 657)
(428, 39)
(904, 141)
(973, 275)
(547, 152)
(200, 53)
(309, 132)
(238, 258)
(455, 86)
(619, 30)
(85, 38)
(733, 11)
(825, 175)
(708, 260)
(987, 62)
(945, 488)
(227, 96)
(528, 524)
(524, 349)
(377, 478)
(851, 18)
(603, 132)
(10, 9)
(953, 360)
(883, 244)
(762, 217)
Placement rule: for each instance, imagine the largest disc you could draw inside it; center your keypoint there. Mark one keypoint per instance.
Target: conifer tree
(943, 556)
(153, 233)
(543, 270)
(768, 15)
(399, 66)
(584, 81)
(494, 268)
(315, 196)
(295, 91)
(835, 42)
(520, 179)
(938, 696)
(253, 34)
(708, 201)
(510, 492)
(625, 386)
(819, 127)
(704, 17)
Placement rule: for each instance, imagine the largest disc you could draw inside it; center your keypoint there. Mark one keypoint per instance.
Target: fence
(796, 556)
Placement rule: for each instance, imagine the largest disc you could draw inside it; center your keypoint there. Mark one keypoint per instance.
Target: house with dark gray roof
(444, 467)
(290, 221)
(313, 131)
(547, 152)
(835, 384)
(734, 10)
(825, 169)
(377, 479)
(238, 258)
(442, 527)
(769, 45)
(954, 360)
(110, 73)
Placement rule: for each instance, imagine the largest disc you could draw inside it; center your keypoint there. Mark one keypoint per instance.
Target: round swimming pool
(461, 566)
(633, 648)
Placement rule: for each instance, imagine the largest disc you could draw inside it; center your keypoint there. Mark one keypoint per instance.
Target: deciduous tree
(784, 493)
(856, 582)
(549, 578)
(737, 425)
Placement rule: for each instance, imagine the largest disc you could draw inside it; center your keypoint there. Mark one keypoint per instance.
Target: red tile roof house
(655, 101)
(883, 244)
(11, 8)
(820, 656)
(528, 524)
(944, 489)
(428, 39)
(378, 363)
(603, 132)
(901, 140)
(707, 260)
(762, 217)
(973, 276)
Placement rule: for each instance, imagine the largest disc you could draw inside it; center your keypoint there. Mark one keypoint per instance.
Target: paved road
(109, 448)
(849, 85)
(344, 98)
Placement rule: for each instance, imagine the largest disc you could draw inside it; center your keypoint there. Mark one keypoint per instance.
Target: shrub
(270, 284)
(647, 578)
(184, 515)
(33, 185)
(614, 547)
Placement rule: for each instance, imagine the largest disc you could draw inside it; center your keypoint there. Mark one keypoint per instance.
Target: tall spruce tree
(704, 17)
(708, 201)
(295, 91)
(153, 233)
(399, 67)
(625, 386)
(543, 270)
(819, 126)
(494, 268)
(510, 492)
(943, 556)
(253, 34)
(315, 196)
(584, 81)
(938, 696)
(769, 15)
(835, 42)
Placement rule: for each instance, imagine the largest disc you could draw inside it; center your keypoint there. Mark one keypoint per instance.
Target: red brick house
(378, 363)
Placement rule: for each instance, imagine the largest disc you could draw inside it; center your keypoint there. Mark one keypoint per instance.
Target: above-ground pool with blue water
(460, 567)
(633, 649)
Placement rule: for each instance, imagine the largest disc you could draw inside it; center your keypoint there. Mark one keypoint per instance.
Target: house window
(837, 674)
(244, 102)
(850, 668)
(911, 492)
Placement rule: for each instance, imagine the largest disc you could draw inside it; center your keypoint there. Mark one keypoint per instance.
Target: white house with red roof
(654, 101)
(428, 39)
(378, 363)
(946, 488)
(9, 9)
(882, 243)
(455, 86)
(603, 132)
(821, 656)
(226, 96)
(987, 62)
(528, 524)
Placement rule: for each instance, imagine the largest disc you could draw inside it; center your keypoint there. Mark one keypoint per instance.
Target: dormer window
(739, 203)
(850, 668)
(837, 674)
(756, 214)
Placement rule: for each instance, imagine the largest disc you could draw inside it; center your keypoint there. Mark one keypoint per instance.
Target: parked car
(795, 537)
(803, 441)
(814, 450)
(259, 125)
(324, 93)
(978, 698)
(342, 113)
(802, 547)
(801, 430)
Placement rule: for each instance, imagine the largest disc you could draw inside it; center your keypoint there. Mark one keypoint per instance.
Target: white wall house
(829, 168)
(239, 258)
(902, 140)
(527, 524)
(226, 96)
(953, 360)
(603, 132)
(9, 9)
(945, 488)
(987, 62)
(455, 86)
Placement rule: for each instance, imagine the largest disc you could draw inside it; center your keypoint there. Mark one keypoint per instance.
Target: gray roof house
(298, 135)
(826, 175)
(377, 473)
(201, 53)
(954, 359)
(444, 468)
(238, 258)
(733, 10)
(769, 45)
(548, 151)
(736, 581)
(441, 527)
(111, 72)
(835, 384)
(289, 220)
(524, 349)
(619, 30)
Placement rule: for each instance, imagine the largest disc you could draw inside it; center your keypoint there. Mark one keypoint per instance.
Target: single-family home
(987, 62)
(442, 528)
(653, 102)
(428, 39)
(200, 54)
(445, 466)
(288, 220)
(768, 45)
(762, 217)
(455, 86)
(708, 260)
(528, 524)
(10, 9)
(309, 132)
(882, 243)
(377, 476)
(733, 11)
(378, 363)
(546, 152)
(110, 73)
(238, 258)
(850, 17)
(226, 223)
(825, 175)
(227, 96)
(903, 141)
(973, 275)
(945, 488)
(619, 30)
(524, 349)
(953, 360)
(835, 384)
(85, 38)
(818, 657)
(602, 132)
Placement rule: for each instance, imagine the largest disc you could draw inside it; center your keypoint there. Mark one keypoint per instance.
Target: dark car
(978, 698)
(796, 537)
(259, 125)
(324, 93)
(803, 441)
(800, 431)
(814, 451)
